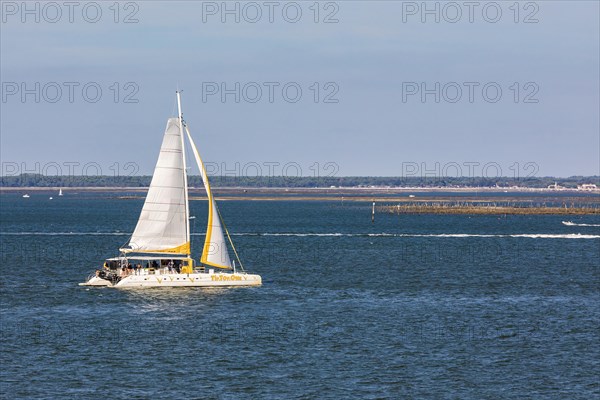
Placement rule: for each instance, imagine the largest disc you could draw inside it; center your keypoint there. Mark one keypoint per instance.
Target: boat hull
(197, 279)
(189, 280)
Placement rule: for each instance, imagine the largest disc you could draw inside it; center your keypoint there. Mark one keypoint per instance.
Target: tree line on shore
(38, 180)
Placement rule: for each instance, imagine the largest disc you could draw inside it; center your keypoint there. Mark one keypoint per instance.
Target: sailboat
(60, 193)
(158, 254)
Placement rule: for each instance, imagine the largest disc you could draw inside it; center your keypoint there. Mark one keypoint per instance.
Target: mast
(187, 203)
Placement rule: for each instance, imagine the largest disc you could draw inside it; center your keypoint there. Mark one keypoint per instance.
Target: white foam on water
(438, 235)
(569, 223)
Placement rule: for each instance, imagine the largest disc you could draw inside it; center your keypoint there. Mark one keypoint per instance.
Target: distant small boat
(50, 198)
(25, 196)
(411, 195)
(60, 192)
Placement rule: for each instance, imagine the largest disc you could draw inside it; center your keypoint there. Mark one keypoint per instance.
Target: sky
(344, 88)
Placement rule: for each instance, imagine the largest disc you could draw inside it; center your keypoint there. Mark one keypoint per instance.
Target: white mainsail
(163, 223)
(214, 252)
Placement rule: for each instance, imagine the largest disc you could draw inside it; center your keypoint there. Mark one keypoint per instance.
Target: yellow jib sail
(214, 252)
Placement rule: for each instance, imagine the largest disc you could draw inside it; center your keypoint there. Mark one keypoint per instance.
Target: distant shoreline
(400, 200)
(415, 199)
(323, 190)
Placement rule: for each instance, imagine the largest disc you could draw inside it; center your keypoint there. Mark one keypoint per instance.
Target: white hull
(197, 279)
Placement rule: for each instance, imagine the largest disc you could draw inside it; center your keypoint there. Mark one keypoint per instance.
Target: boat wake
(440, 235)
(416, 235)
(569, 223)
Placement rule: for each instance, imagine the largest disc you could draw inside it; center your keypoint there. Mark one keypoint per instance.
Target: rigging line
(127, 242)
(229, 237)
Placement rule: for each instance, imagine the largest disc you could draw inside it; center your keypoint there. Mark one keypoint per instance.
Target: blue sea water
(411, 306)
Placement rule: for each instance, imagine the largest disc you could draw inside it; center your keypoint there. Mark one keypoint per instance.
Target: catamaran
(158, 254)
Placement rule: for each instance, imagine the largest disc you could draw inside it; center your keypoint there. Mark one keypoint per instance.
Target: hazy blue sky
(375, 61)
